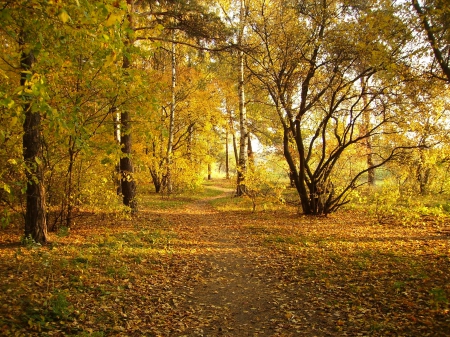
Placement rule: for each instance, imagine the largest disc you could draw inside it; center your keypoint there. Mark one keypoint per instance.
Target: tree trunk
(297, 174)
(190, 140)
(128, 185)
(243, 158)
(233, 134)
(209, 171)
(432, 36)
(367, 140)
(250, 153)
(69, 195)
(35, 216)
(235, 151)
(116, 120)
(126, 167)
(423, 174)
(171, 119)
(156, 180)
(227, 166)
(315, 192)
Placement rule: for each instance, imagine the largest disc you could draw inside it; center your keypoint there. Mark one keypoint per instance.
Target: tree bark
(233, 134)
(128, 185)
(116, 120)
(250, 153)
(432, 39)
(243, 156)
(365, 130)
(171, 119)
(35, 216)
(423, 173)
(227, 155)
(69, 195)
(156, 180)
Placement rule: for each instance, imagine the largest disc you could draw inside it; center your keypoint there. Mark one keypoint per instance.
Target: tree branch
(154, 38)
(432, 39)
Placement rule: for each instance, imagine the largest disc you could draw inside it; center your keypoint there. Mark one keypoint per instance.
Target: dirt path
(192, 270)
(237, 295)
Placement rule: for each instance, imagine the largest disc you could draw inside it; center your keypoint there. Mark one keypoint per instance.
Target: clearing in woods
(198, 267)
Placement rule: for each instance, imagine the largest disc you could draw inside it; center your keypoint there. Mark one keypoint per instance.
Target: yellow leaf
(110, 59)
(112, 19)
(64, 16)
(6, 188)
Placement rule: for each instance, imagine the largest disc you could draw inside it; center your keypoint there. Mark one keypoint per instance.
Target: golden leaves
(112, 19)
(190, 269)
(64, 16)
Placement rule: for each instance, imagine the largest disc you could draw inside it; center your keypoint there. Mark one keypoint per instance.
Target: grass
(231, 203)
(208, 190)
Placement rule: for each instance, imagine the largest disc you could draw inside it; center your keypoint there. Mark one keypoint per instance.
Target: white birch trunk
(243, 157)
(172, 117)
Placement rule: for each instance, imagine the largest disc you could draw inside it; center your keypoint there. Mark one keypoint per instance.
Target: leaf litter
(198, 271)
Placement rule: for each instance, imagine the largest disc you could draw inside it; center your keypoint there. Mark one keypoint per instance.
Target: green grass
(231, 203)
(206, 192)
(280, 239)
(158, 201)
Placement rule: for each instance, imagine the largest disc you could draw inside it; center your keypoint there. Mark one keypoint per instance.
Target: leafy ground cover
(190, 266)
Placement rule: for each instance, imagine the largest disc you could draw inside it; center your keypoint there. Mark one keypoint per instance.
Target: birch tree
(243, 132)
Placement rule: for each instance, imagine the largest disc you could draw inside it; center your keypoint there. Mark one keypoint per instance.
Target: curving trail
(235, 293)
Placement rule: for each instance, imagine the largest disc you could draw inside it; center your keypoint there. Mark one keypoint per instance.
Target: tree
(243, 138)
(310, 57)
(177, 27)
(19, 24)
(64, 94)
(365, 127)
(128, 184)
(434, 18)
(422, 170)
(35, 217)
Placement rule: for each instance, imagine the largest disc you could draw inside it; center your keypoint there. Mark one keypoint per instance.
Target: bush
(263, 187)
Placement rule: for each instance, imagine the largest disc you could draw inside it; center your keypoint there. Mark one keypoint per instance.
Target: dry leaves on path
(193, 270)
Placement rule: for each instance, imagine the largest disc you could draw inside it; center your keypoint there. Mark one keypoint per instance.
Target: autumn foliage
(328, 119)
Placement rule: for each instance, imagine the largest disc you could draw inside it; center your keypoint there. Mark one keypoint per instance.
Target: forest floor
(203, 267)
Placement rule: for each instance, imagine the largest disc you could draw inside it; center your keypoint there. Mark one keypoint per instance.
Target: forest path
(236, 294)
(190, 267)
